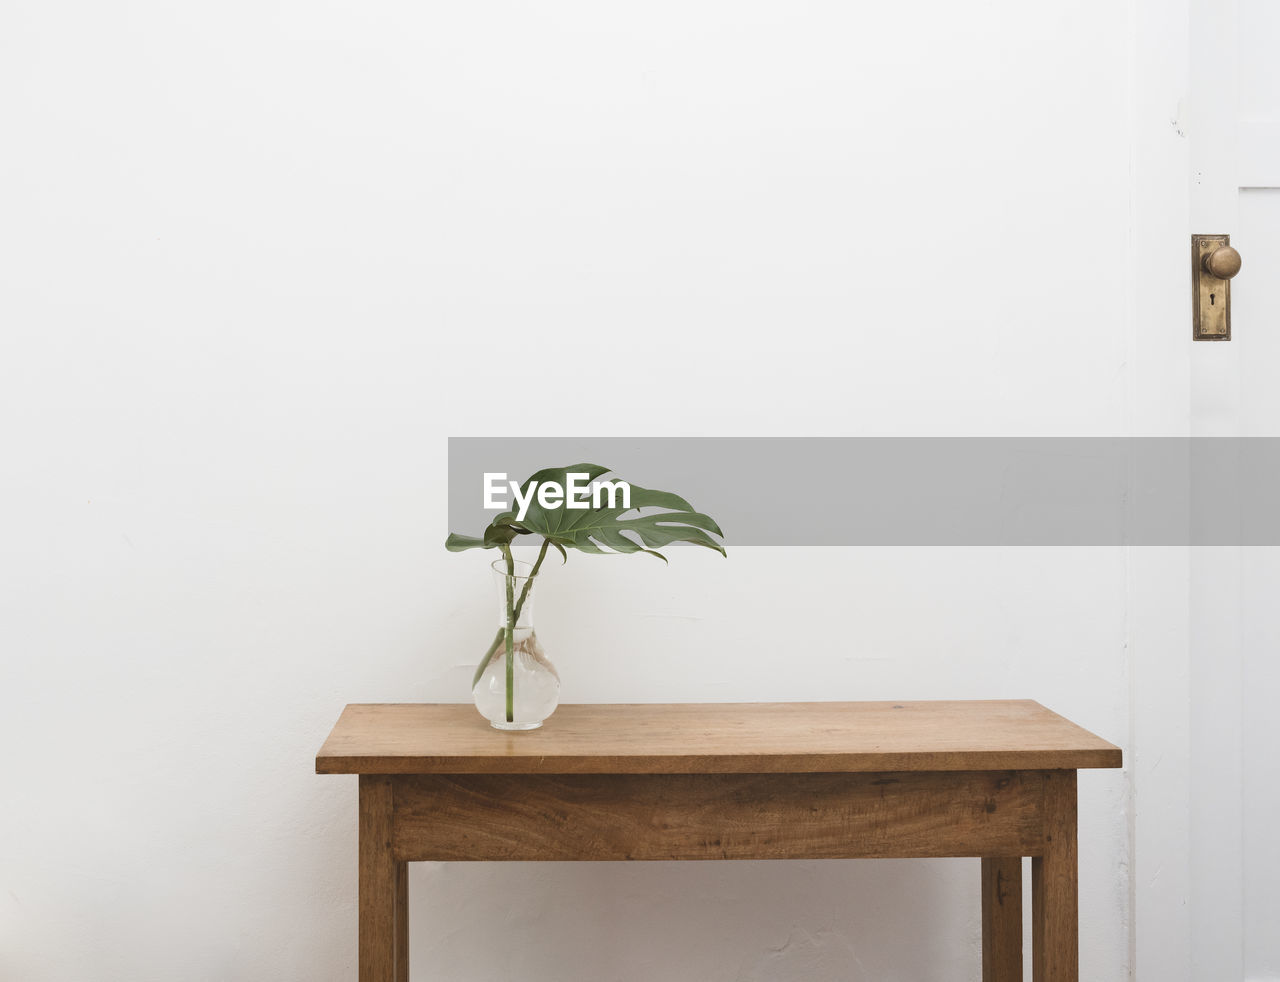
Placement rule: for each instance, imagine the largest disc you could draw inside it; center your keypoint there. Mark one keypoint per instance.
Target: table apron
(524, 817)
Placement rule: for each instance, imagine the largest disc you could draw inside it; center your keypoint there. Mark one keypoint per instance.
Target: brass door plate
(1210, 296)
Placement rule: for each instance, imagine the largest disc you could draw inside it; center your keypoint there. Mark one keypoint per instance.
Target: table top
(714, 738)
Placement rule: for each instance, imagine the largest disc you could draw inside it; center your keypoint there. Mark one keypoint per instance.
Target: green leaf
(537, 517)
(603, 530)
(597, 530)
(501, 531)
(461, 543)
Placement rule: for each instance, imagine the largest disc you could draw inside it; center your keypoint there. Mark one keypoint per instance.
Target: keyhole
(1211, 298)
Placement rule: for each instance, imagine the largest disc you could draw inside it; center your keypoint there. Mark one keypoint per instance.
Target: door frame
(1159, 578)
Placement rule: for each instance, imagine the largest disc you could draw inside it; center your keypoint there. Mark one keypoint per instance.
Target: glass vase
(516, 687)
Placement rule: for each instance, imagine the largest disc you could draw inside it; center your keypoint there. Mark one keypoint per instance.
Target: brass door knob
(1223, 262)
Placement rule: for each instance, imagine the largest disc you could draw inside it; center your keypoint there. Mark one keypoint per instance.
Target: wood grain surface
(1002, 919)
(528, 817)
(378, 889)
(1055, 944)
(709, 738)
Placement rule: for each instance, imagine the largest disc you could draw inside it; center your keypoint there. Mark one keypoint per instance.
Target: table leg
(1002, 919)
(402, 922)
(1055, 945)
(379, 883)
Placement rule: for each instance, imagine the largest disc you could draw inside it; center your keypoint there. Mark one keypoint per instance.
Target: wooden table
(727, 781)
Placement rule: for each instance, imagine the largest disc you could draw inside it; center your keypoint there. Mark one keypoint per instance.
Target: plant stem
(528, 583)
(510, 634)
(484, 662)
(515, 619)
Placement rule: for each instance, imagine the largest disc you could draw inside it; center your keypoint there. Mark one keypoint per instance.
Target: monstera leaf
(597, 530)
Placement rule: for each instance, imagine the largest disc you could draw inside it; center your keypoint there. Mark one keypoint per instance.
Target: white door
(1258, 224)
(1235, 776)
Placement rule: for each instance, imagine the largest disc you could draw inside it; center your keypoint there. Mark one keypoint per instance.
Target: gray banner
(819, 491)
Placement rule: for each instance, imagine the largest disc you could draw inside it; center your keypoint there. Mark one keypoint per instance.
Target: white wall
(261, 259)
